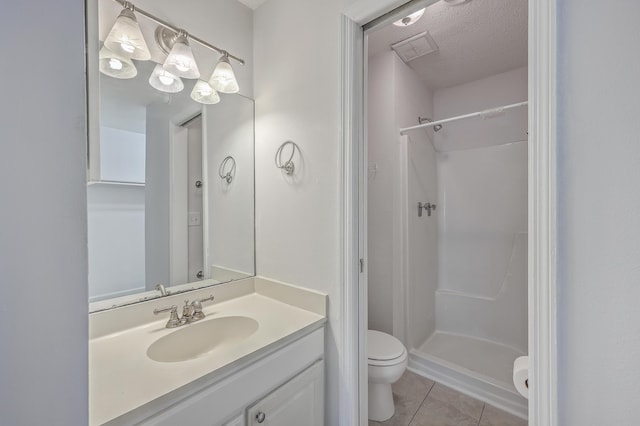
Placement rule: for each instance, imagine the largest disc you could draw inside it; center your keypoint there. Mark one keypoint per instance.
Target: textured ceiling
(476, 40)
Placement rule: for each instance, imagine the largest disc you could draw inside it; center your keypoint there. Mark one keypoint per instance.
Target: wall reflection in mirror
(171, 172)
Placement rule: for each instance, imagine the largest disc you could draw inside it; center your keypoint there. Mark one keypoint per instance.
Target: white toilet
(387, 359)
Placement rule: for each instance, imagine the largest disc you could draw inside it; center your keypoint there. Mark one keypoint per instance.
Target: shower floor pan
(477, 367)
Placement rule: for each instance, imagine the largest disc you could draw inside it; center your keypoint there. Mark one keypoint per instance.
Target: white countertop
(122, 377)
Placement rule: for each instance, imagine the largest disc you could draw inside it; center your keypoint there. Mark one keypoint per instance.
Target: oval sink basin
(195, 340)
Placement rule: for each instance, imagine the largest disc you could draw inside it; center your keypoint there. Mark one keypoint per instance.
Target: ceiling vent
(415, 46)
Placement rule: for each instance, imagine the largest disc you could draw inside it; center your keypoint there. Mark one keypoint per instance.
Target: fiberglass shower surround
(479, 301)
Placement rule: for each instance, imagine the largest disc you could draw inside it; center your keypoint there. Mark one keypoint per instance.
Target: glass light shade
(205, 94)
(125, 38)
(181, 61)
(164, 81)
(223, 79)
(115, 65)
(410, 19)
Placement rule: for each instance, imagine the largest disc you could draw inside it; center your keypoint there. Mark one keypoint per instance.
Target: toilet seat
(384, 349)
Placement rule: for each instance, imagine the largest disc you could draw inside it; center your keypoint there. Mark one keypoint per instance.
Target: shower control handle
(426, 206)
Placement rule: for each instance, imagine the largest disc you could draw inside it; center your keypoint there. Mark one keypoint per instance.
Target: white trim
(364, 11)
(542, 214)
(352, 398)
(401, 307)
(178, 218)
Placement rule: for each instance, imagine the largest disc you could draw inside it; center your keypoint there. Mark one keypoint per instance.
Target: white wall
(43, 220)
(122, 155)
(297, 88)
(383, 155)
(229, 131)
(157, 197)
(498, 90)
(598, 217)
(482, 200)
(396, 97)
(116, 240)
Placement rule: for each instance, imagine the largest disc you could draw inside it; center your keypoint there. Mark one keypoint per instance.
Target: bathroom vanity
(256, 355)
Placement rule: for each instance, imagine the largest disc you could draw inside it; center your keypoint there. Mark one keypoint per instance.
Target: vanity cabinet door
(299, 402)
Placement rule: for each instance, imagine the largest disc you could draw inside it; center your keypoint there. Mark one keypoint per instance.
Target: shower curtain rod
(487, 113)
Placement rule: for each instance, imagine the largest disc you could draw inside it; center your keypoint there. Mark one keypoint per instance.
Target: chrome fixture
(409, 19)
(436, 127)
(191, 312)
(427, 206)
(174, 321)
(288, 165)
(163, 291)
(227, 169)
(487, 113)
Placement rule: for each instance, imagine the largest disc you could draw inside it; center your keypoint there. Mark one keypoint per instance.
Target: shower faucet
(426, 206)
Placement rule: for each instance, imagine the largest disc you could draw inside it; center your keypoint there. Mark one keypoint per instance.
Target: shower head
(422, 120)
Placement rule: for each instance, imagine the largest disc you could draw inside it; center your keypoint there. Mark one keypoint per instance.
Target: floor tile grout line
(422, 403)
(481, 413)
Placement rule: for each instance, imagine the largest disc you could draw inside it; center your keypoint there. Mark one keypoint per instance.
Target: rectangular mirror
(171, 181)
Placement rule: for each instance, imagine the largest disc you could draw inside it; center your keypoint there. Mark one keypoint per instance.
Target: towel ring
(230, 171)
(288, 165)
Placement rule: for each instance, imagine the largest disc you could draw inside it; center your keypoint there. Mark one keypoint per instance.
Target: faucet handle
(197, 313)
(174, 321)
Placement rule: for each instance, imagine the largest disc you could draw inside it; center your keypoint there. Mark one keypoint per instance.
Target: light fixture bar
(157, 20)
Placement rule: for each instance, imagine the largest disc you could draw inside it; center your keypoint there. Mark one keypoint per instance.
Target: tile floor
(422, 402)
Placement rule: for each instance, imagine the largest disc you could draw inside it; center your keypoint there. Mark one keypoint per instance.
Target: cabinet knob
(260, 417)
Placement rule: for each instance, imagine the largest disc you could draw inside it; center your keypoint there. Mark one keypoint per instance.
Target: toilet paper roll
(521, 375)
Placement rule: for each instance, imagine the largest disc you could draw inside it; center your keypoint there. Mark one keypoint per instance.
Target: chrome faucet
(191, 312)
(163, 291)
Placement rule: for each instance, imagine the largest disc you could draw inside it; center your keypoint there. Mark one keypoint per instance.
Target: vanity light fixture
(223, 78)
(164, 81)
(126, 40)
(180, 61)
(409, 19)
(125, 37)
(205, 94)
(115, 65)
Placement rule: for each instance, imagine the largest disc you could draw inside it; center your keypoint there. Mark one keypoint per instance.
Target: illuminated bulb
(115, 64)
(180, 60)
(164, 81)
(223, 78)
(205, 94)
(127, 47)
(125, 38)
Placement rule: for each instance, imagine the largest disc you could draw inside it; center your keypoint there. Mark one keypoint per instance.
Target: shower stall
(477, 237)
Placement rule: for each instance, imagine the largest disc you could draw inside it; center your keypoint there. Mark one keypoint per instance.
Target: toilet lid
(383, 346)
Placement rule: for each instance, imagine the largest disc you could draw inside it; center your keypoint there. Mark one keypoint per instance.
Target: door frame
(542, 290)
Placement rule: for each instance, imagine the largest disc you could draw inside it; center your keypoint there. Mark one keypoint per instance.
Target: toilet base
(381, 406)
